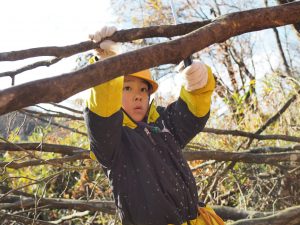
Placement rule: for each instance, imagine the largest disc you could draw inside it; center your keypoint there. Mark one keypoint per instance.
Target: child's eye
(126, 88)
(144, 89)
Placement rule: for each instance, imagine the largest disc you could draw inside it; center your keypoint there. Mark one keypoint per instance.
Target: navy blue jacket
(151, 181)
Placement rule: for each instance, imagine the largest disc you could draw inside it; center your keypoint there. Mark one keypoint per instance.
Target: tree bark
(60, 87)
(120, 36)
(297, 25)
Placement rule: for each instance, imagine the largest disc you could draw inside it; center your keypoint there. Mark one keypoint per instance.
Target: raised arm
(187, 116)
(103, 115)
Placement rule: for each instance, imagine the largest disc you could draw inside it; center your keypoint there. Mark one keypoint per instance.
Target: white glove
(107, 47)
(195, 76)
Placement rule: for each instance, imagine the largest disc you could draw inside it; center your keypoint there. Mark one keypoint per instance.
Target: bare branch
(252, 135)
(288, 216)
(82, 205)
(53, 123)
(275, 117)
(268, 149)
(45, 179)
(58, 162)
(251, 156)
(109, 207)
(259, 158)
(70, 217)
(42, 147)
(65, 85)
(30, 67)
(55, 115)
(67, 108)
(4, 217)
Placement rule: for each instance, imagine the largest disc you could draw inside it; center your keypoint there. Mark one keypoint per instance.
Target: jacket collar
(151, 117)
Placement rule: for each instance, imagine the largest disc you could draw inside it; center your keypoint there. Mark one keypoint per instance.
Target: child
(139, 145)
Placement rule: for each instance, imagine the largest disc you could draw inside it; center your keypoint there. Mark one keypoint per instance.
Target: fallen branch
(217, 155)
(42, 147)
(81, 205)
(288, 216)
(65, 85)
(252, 135)
(57, 162)
(5, 217)
(109, 206)
(268, 149)
(70, 217)
(259, 158)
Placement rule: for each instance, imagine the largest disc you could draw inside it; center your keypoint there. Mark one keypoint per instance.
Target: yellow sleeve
(106, 99)
(199, 101)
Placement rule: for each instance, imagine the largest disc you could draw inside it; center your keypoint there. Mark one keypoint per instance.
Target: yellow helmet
(146, 75)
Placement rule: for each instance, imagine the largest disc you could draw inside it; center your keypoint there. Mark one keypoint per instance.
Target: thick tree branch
(65, 85)
(296, 26)
(120, 36)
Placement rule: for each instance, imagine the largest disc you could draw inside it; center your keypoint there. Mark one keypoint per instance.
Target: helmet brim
(146, 75)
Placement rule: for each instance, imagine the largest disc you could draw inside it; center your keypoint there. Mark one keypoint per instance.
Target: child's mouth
(138, 108)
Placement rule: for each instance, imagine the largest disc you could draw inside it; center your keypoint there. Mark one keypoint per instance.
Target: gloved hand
(195, 76)
(107, 48)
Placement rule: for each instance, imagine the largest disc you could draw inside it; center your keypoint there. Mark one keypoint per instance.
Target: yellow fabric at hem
(207, 216)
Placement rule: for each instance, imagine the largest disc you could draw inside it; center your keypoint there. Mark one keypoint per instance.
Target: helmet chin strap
(148, 110)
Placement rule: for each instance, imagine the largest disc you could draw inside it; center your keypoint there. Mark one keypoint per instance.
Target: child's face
(135, 100)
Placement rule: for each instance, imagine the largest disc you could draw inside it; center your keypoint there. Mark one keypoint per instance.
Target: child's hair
(150, 88)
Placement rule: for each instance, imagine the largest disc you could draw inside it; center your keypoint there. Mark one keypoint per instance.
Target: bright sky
(35, 23)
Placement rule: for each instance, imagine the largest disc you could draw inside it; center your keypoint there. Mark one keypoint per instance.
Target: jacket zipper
(149, 135)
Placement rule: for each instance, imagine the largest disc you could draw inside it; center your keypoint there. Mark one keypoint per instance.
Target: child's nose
(137, 97)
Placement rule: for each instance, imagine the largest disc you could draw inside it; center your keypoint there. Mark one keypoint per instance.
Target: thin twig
(275, 117)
